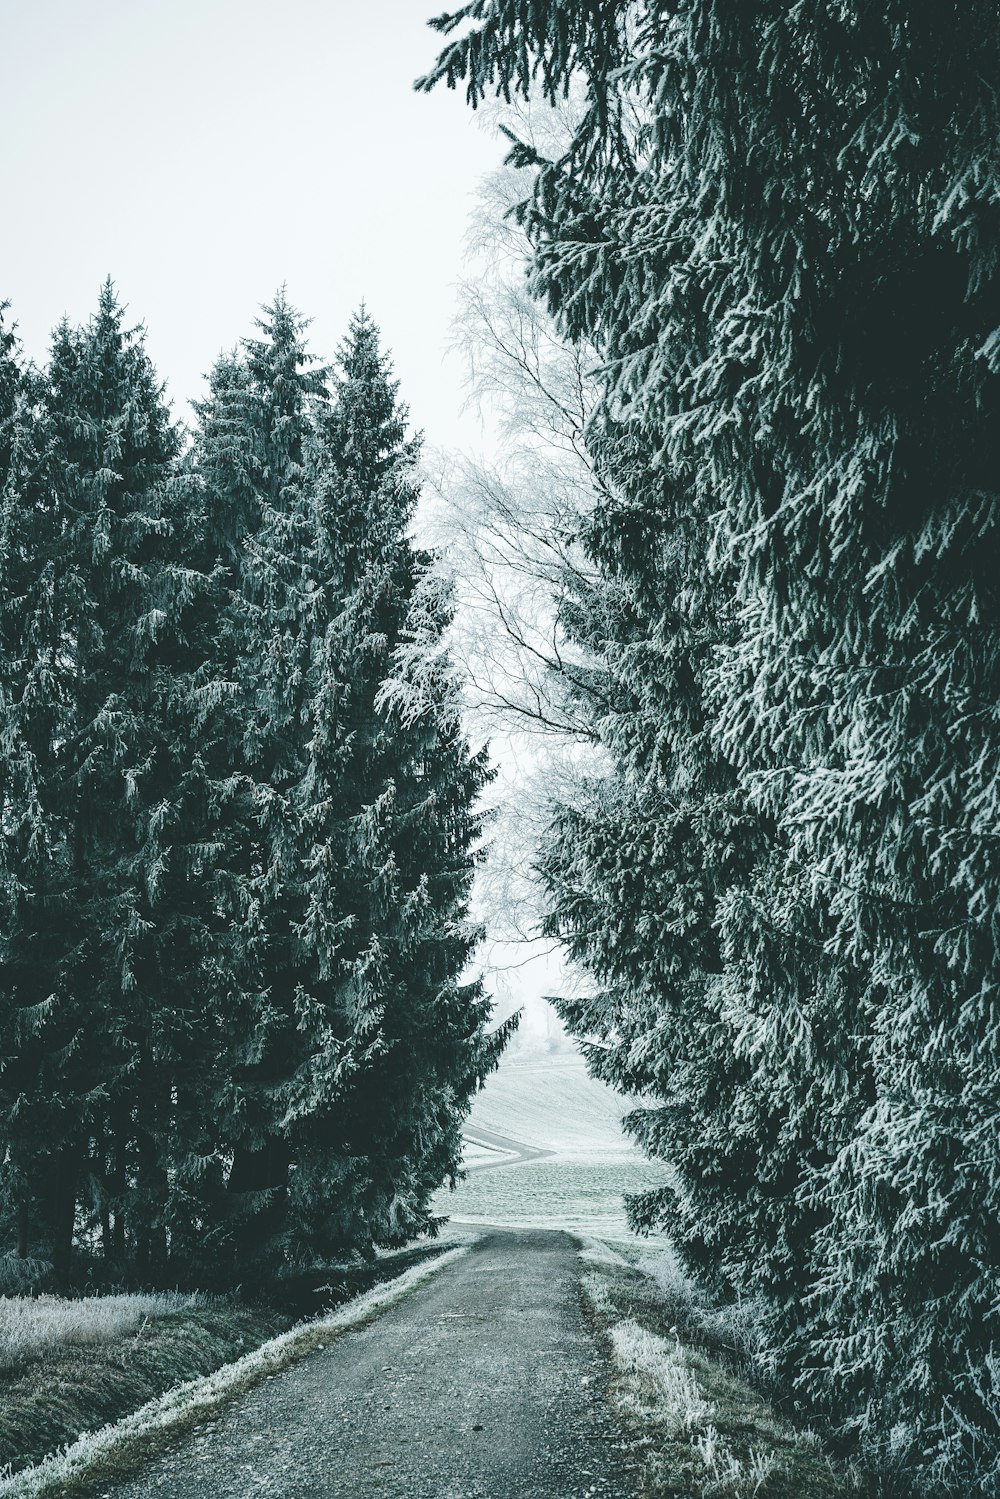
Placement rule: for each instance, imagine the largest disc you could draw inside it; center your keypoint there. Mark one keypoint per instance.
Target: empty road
(484, 1384)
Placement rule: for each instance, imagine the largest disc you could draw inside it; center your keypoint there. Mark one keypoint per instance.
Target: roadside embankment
(682, 1386)
(81, 1407)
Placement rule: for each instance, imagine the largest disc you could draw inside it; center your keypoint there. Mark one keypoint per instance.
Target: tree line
(238, 822)
(777, 228)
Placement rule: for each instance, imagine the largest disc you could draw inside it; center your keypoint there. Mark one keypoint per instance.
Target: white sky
(202, 152)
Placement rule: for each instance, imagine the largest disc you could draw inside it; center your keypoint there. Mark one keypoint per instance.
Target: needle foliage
(778, 225)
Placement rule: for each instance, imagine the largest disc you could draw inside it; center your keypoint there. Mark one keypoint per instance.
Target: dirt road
(485, 1384)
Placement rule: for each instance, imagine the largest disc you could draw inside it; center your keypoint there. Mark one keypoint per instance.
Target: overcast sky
(202, 152)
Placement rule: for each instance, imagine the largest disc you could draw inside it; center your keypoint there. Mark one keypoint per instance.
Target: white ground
(548, 1101)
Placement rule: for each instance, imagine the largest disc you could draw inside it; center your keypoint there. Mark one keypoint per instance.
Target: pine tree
(40, 1115)
(638, 864)
(389, 803)
(238, 819)
(353, 910)
(252, 458)
(108, 941)
(777, 227)
(60, 1024)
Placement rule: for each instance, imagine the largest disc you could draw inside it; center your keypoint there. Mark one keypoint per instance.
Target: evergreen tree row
(779, 225)
(238, 820)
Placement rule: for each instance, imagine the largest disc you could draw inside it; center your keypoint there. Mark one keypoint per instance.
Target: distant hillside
(549, 1101)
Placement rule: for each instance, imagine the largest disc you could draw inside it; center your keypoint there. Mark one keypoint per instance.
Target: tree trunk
(63, 1212)
(261, 1169)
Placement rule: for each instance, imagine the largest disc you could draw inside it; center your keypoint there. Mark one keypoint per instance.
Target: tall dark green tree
(95, 595)
(779, 228)
(252, 457)
(41, 1109)
(389, 807)
(357, 843)
(639, 863)
(237, 825)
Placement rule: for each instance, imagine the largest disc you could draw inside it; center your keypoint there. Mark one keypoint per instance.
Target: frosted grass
(179, 1407)
(33, 1326)
(661, 1383)
(701, 1430)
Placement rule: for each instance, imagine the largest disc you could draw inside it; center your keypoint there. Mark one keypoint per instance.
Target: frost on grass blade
(181, 1406)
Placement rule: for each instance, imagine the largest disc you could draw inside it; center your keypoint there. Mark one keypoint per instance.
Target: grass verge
(37, 1326)
(61, 1402)
(50, 1400)
(697, 1427)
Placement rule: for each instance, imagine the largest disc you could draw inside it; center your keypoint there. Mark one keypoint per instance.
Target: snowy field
(585, 1197)
(549, 1102)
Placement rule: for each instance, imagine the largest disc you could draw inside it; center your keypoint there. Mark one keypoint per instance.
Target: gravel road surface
(484, 1384)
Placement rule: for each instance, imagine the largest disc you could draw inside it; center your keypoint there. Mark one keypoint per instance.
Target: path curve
(516, 1152)
(484, 1384)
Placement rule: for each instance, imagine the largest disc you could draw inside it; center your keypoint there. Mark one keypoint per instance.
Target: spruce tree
(239, 826)
(389, 802)
(776, 226)
(40, 1110)
(655, 839)
(82, 614)
(351, 1046)
(252, 458)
